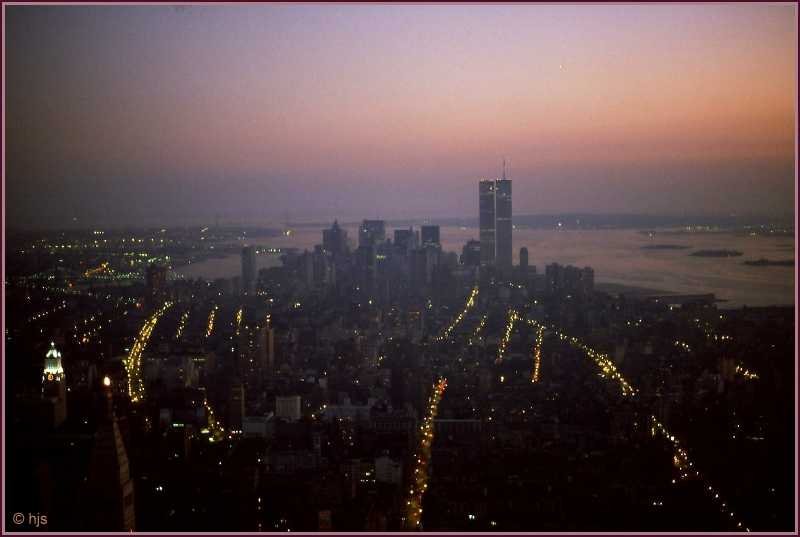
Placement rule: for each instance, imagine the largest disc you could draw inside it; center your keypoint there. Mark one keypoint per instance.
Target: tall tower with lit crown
(54, 389)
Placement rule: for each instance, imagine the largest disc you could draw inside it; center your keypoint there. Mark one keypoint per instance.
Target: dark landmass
(673, 224)
(716, 253)
(665, 247)
(770, 262)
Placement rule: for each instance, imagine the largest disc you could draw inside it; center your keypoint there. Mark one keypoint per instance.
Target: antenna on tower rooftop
(504, 168)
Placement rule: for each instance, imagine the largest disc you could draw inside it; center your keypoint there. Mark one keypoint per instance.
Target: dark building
(405, 239)
(323, 268)
(334, 240)
(156, 282)
(236, 406)
(486, 221)
(265, 350)
(471, 253)
(430, 235)
(109, 485)
(249, 270)
(366, 268)
(306, 269)
(371, 232)
(523, 258)
(423, 264)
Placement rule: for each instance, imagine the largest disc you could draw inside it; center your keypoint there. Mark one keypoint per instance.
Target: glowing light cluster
(537, 355)
(317, 414)
(422, 457)
(686, 470)
(683, 345)
(215, 429)
(89, 329)
(746, 373)
(182, 324)
(133, 363)
(237, 322)
(513, 317)
(471, 300)
(97, 270)
(211, 316)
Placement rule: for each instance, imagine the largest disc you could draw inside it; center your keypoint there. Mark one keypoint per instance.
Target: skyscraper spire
(504, 168)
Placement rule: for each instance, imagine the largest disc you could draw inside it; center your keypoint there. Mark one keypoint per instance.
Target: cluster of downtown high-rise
(387, 264)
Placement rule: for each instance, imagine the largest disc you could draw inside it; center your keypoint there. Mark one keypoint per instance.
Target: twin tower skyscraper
(494, 198)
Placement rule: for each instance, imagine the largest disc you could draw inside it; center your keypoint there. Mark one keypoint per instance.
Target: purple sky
(163, 115)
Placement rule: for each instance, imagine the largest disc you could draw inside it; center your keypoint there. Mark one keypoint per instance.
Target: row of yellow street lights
(513, 317)
(537, 354)
(680, 459)
(471, 301)
(607, 367)
(685, 467)
(211, 316)
(133, 363)
(419, 478)
(182, 324)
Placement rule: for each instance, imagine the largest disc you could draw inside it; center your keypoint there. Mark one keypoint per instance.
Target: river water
(616, 256)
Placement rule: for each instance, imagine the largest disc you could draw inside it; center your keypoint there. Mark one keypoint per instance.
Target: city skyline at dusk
(167, 115)
(469, 269)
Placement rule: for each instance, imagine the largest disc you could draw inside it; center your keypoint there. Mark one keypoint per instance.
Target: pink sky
(330, 109)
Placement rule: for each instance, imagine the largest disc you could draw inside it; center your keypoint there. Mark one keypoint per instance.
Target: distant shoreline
(769, 262)
(665, 247)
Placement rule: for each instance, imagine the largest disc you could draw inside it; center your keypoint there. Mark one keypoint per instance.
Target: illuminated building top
(52, 364)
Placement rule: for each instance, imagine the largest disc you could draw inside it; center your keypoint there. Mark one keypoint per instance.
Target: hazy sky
(157, 115)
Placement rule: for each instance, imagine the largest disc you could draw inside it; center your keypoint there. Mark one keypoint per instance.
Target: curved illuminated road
(133, 364)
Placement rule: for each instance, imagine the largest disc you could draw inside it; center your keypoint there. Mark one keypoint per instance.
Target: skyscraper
(503, 226)
(156, 282)
(334, 240)
(494, 199)
(249, 270)
(54, 389)
(265, 352)
(109, 486)
(487, 220)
